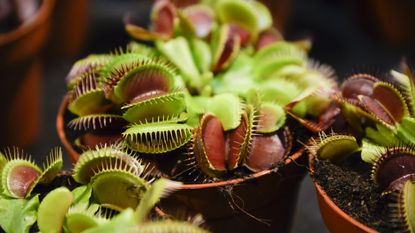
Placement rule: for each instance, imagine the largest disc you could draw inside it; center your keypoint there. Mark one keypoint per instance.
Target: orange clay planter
(90, 140)
(21, 72)
(70, 24)
(395, 19)
(335, 219)
(269, 196)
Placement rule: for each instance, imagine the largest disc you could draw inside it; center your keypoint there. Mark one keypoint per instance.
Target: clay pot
(89, 139)
(390, 21)
(268, 195)
(336, 220)
(70, 24)
(21, 72)
(395, 19)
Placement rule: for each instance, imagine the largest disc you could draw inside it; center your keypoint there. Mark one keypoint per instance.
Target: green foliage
(206, 58)
(18, 215)
(52, 210)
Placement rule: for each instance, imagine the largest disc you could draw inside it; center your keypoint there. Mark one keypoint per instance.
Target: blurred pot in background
(390, 21)
(69, 27)
(21, 40)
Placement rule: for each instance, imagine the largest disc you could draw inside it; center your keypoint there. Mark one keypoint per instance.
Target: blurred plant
(383, 111)
(112, 195)
(218, 81)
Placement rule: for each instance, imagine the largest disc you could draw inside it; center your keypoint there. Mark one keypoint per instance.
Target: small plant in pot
(108, 192)
(365, 177)
(214, 103)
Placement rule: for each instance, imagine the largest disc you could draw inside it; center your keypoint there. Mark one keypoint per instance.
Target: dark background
(345, 35)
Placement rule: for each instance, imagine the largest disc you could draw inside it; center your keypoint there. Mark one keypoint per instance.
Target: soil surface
(350, 187)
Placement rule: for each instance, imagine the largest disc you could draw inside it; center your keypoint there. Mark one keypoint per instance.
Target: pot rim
(332, 205)
(43, 13)
(60, 127)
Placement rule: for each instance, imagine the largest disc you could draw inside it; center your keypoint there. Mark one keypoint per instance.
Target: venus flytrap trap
(19, 178)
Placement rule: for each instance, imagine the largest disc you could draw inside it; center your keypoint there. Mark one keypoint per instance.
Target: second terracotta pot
(336, 220)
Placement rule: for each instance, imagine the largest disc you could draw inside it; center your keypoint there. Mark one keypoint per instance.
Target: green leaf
(264, 17)
(408, 89)
(405, 130)
(272, 118)
(52, 210)
(237, 79)
(228, 108)
(80, 217)
(79, 222)
(168, 226)
(179, 53)
(201, 54)
(371, 152)
(280, 91)
(82, 194)
(408, 197)
(382, 135)
(238, 12)
(18, 215)
(3, 161)
(119, 224)
(159, 189)
(275, 57)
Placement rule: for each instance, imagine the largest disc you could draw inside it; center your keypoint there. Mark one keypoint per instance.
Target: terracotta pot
(336, 220)
(391, 21)
(70, 24)
(91, 139)
(21, 72)
(268, 195)
(396, 21)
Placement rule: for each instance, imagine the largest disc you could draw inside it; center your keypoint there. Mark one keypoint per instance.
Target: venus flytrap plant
(392, 170)
(380, 113)
(218, 83)
(115, 193)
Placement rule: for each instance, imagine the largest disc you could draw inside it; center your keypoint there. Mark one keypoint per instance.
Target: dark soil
(350, 187)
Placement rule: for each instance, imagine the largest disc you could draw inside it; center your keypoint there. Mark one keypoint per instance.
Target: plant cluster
(111, 195)
(217, 81)
(382, 115)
